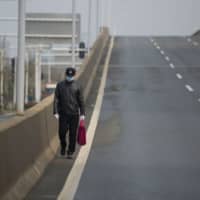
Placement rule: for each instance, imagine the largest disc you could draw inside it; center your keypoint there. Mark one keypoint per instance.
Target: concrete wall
(29, 143)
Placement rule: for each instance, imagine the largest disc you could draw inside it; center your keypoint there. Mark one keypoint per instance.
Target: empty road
(147, 144)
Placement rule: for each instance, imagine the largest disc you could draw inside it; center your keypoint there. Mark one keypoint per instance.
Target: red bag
(81, 139)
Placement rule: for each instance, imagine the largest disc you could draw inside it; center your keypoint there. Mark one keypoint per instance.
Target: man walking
(68, 106)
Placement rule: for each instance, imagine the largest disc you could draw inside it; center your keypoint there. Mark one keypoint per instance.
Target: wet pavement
(147, 142)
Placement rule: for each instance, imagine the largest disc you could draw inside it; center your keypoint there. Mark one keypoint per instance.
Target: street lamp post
(97, 17)
(89, 23)
(73, 32)
(21, 56)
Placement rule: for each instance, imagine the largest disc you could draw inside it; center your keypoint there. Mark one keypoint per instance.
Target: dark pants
(68, 123)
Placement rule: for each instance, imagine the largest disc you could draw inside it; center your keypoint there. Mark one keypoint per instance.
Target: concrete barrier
(28, 143)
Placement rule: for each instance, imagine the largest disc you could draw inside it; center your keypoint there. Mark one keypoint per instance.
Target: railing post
(26, 78)
(73, 32)
(37, 76)
(1, 79)
(89, 23)
(20, 60)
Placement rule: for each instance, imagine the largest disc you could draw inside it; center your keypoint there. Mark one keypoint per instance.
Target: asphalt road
(147, 144)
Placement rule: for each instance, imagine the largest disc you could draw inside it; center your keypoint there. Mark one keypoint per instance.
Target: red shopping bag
(81, 139)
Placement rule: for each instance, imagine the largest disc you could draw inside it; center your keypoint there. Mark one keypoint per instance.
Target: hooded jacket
(68, 99)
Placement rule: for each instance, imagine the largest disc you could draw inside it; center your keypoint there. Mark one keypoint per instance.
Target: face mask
(69, 79)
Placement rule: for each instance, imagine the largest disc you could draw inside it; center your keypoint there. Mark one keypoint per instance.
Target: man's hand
(82, 117)
(56, 116)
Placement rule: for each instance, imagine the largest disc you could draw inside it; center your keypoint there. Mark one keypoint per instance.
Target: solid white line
(162, 52)
(189, 88)
(179, 76)
(167, 58)
(69, 190)
(172, 65)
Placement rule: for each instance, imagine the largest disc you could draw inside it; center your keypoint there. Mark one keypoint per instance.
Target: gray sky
(156, 17)
(126, 17)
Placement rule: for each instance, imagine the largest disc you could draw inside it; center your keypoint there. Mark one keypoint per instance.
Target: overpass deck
(147, 141)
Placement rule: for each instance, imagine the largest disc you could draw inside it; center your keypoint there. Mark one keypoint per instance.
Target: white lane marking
(195, 44)
(158, 47)
(179, 76)
(162, 52)
(189, 40)
(167, 58)
(189, 88)
(172, 65)
(199, 100)
(155, 44)
(152, 40)
(69, 190)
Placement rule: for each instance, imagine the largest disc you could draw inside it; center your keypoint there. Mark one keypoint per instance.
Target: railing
(44, 65)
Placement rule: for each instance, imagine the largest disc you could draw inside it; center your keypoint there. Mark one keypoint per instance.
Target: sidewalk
(52, 182)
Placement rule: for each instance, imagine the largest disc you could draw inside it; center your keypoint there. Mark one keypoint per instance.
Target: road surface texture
(147, 144)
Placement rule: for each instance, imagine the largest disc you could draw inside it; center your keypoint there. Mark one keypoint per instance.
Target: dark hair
(70, 71)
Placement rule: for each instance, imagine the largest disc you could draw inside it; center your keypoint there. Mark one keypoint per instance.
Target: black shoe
(62, 151)
(69, 155)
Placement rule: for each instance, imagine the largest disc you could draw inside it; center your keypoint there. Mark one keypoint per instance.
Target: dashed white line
(195, 44)
(162, 52)
(167, 58)
(189, 88)
(189, 40)
(172, 65)
(199, 100)
(158, 47)
(179, 76)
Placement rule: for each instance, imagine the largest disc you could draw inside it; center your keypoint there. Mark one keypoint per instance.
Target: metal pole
(111, 22)
(1, 77)
(37, 77)
(40, 76)
(26, 79)
(73, 32)
(89, 23)
(20, 60)
(15, 84)
(97, 17)
(100, 15)
(108, 14)
(49, 68)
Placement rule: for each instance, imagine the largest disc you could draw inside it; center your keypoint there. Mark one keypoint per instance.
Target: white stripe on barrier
(69, 190)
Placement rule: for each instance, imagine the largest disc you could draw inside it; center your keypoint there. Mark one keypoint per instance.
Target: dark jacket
(68, 99)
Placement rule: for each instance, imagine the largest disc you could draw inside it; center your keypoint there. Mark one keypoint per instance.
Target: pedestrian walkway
(53, 180)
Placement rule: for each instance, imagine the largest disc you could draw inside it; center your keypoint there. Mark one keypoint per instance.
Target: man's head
(70, 73)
